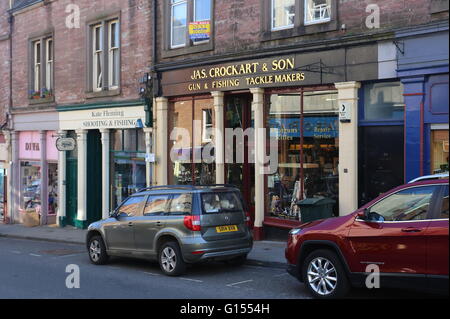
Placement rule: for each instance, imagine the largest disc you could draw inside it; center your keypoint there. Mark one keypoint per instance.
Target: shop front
(38, 175)
(271, 127)
(108, 163)
(4, 168)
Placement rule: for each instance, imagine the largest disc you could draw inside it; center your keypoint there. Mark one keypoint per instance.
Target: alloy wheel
(168, 259)
(322, 276)
(95, 250)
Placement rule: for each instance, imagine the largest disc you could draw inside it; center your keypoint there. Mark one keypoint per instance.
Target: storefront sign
(66, 144)
(345, 112)
(117, 118)
(317, 127)
(200, 30)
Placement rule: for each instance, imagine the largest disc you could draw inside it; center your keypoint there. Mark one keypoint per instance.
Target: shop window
(192, 148)
(384, 101)
(52, 188)
(439, 151)
(308, 148)
(128, 169)
(30, 174)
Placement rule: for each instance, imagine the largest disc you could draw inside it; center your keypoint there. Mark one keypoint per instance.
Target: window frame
(189, 47)
(306, 23)
(272, 18)
(171, 197)
(299, 28)
(430, 213)
(106, 90)
(111, 50)
(165, 213)
(173, 4)
(38, 72)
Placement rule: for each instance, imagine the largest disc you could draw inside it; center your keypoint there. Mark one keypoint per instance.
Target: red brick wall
(70, 47)
(238, 23)
(4, 60)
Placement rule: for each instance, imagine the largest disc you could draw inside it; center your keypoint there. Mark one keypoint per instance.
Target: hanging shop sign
(66, 144)
(200, 30)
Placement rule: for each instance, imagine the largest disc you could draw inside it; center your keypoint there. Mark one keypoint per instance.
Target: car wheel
(170, 259)
(97, 251)
(324, 275)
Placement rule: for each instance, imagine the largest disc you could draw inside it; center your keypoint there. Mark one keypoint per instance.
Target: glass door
(241, 172)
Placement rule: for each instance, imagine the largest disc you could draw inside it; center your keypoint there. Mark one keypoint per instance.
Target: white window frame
(49, 64)
(37, 66)
(272, 19)
(95, 54)
(111, 51)
(207, 127)
(198, 20)
(322, 20)
(173, 4)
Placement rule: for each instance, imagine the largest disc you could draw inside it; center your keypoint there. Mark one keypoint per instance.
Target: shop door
(241, 172)
(381, 161)
(72, 191)
(94, 177)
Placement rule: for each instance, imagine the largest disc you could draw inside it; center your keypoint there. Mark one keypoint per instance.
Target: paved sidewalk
(264, 253)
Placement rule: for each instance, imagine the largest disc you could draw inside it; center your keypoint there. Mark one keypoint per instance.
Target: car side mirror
(114, 214)
(364, 214)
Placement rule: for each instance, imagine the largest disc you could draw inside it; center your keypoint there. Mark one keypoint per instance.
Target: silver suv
(176, 225)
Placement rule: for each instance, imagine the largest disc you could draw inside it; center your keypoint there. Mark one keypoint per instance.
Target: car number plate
(226, 229)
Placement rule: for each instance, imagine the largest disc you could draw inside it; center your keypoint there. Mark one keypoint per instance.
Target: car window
(132, 206)
(156, 205)
(444, 208)
(180, 204)
(409, 204)
(221, 202)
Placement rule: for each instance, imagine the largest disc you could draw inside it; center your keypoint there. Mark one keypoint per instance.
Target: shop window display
(30, 186)
(128, 164)
(52, 188)
(192, 142)
(439, 151)
(305, 127)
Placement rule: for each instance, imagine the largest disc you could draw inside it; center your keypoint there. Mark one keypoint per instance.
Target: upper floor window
(283, 14)
(317, 11)
(105, 56)
(41, 79)
(190, 22)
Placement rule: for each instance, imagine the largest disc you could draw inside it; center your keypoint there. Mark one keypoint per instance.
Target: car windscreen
(221, 202)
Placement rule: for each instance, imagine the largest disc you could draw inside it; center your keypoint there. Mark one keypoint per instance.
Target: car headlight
(295, 231)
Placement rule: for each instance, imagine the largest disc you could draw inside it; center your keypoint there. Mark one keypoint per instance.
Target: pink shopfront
(38, 184)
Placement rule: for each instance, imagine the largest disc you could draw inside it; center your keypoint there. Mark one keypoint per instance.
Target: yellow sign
(200, 30)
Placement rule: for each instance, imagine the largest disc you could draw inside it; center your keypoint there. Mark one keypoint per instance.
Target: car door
(437, 239)
(150, 223)
(394, 236)
(120, 233)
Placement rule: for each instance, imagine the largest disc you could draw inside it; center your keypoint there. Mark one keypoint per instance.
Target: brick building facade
(290, 67)
(75, 74)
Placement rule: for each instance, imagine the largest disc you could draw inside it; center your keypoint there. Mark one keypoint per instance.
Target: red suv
(401, 237)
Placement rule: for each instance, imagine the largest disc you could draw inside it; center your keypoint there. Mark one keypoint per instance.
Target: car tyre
(171, 260)
(324, 275)
(97, 251)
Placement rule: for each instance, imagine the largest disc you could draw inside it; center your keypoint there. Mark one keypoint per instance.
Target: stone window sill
(100, 94)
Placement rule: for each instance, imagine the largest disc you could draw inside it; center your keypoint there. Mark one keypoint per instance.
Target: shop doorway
(238, 115)
(94, 176)
(381, 164)
(3, 192)
(71, 190)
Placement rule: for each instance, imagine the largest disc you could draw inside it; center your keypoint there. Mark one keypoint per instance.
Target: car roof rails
(167, 186)
(185, 186)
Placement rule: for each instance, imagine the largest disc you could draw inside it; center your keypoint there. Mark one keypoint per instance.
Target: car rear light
(248, 219)
(192, 222)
